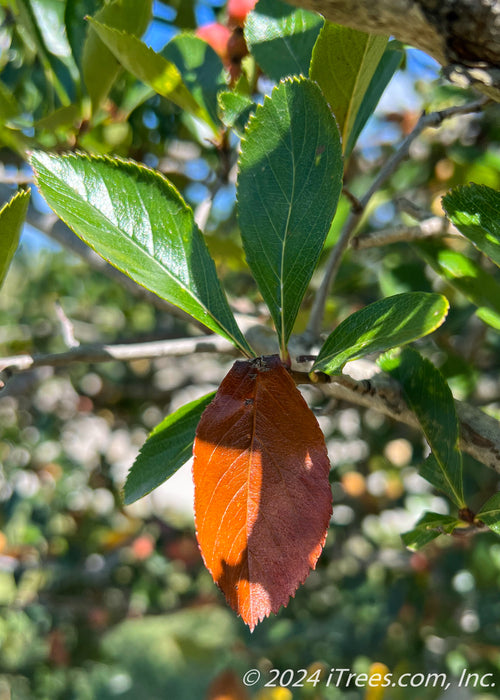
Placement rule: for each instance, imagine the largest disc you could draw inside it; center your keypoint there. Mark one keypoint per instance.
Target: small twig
(403, 204)
(125, 352)
(434, 226)
(433, 119)
(356, 205)
(67, 330)
(474, 529)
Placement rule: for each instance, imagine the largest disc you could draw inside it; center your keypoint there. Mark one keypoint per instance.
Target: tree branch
(479, 433)
(433, 226)
(125, 352)
(430, 120)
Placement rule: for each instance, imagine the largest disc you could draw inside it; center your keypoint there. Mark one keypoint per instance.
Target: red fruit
(238, 9)
(143, 547)
(217, 36)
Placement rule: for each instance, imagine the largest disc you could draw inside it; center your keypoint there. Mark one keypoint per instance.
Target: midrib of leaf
(286, 41)
(151, 257)
(459, 497)
(283, 249)
(251, 452)
(304, 237)
(493, 511)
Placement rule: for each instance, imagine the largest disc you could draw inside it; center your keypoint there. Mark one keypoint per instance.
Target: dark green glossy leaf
(466, 276)
(200, 68)
(76, 27)
(430, 526)
(281, 38)
(490, 513)
(185, 17)
(169, 446)
(432, 472)
(343, 63)
(385, 324)
(136, 219)
(388, 65)
(235, 110)
(290, 177)
(99, 66)
(475, 211)
(150, 67)
(12, 216)
(429, 397)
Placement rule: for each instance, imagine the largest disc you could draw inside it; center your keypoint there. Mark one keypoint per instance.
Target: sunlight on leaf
(12, 216)
(262, 495)
(382, 325)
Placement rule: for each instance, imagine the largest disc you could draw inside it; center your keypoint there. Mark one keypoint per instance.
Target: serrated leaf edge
(131, 164)
(437, 325)
(201, 112)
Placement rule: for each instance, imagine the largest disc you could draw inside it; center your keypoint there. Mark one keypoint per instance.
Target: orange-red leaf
(262, 496)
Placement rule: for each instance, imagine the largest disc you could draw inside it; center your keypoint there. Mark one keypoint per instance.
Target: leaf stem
(432, 120)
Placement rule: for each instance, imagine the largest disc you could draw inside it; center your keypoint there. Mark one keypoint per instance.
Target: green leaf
(490, 513)
(475, 211)
(12, 216)
(432, 472)
(15, 140)
(99, 66)
(136, 219)
(9, 107)
(290, 177)
(49, 16)
(429, 397)
(385, 324)
(76, 28)
(281, 38)
(185, 17)
(150, 67)
(64, 117)
(235, 110)
(168, 447)
(479, 287)
(343, 63)
(388, 65)
(53, 51)
(430, 526)
(200, 68)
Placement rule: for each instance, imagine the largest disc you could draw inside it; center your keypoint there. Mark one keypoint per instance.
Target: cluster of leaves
(289, 184)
